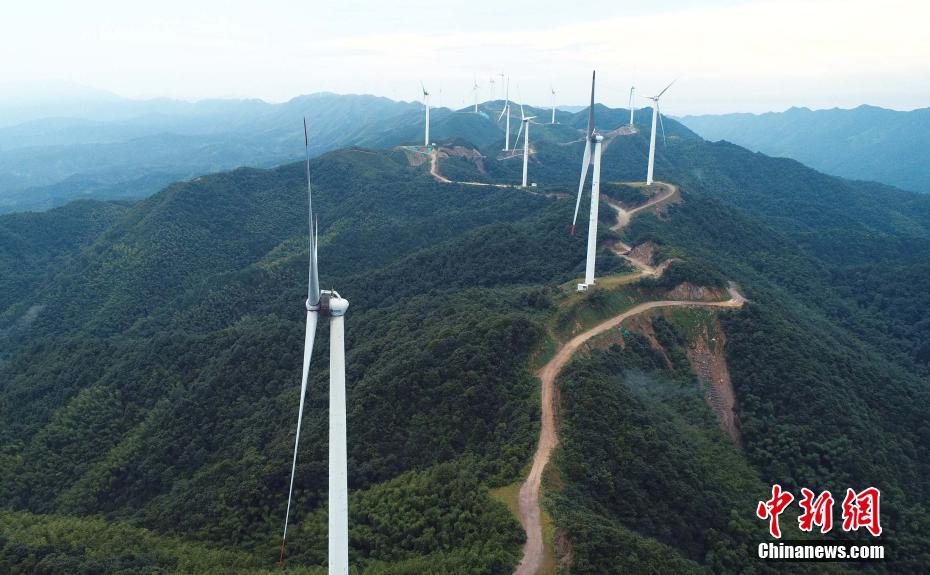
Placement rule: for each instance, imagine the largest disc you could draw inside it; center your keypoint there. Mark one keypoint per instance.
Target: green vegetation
(51, 544)
(149, 376)
(642, 450)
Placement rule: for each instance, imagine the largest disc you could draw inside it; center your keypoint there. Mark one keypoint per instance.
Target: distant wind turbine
(475, 90)
(591, 137)
(632, 104)
(426, 105)
(525, 129)
(551, 89)
(656, 114)
(327, 304)
(506, 112)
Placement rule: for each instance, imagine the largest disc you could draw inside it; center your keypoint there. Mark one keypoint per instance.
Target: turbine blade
(662, 124)
(666, 88)
(313, 284)
(504, 111)
(585, 162)
(308, 354)
(522, 116)
(591, 109)
(517, 139)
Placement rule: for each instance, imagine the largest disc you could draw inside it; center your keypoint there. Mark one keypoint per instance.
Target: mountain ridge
(156, 388)
(863, 143)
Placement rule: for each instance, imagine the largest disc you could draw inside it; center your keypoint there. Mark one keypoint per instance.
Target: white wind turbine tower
(525, 128)
(551, 89)
(632, 104)
(328, 304)
(656, 114)
(591, 137)
(426, 105)
(506, 112)
(475, 90)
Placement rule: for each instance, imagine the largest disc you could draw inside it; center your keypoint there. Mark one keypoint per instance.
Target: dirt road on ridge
(548, 438)
(528, 500)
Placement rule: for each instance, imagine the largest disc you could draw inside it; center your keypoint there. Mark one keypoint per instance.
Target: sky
(728, 55)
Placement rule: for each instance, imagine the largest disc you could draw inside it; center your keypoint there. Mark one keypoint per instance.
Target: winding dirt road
(528, 502)
(548, 438)
(434, 166)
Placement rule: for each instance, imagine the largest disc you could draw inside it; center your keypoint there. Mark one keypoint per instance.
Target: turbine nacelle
(331, 304)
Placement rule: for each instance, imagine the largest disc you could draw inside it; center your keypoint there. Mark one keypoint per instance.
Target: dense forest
(151, 352)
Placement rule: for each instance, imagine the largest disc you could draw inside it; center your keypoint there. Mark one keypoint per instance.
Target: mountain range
(151, 355)
(118, 148)
(863, 143)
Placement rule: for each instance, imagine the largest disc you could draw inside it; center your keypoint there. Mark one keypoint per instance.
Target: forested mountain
(864, 143)
(151, 357)
(130, 149)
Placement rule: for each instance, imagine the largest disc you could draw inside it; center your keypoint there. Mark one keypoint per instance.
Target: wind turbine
(490, 88)
(426, 105)
(652, 138)
(328, 304)
(551, 89)
(506, 112)
(525, 128)
(632, 105)
(591, 137)
(475, 90)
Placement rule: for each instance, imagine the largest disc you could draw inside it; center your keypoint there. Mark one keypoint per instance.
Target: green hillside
(149, 379)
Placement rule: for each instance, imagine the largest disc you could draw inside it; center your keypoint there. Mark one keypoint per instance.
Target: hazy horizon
(729, 55)
(31, 95)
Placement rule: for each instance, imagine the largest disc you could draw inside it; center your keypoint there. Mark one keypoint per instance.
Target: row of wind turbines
(329, 304)
(525, 121)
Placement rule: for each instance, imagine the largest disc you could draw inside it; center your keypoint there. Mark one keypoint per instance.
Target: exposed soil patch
(643, 326)
(563, 546)
(470, 154)
(610, 136)
(644, 252)
(414, 157)
(692, 292)
(707, 360)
